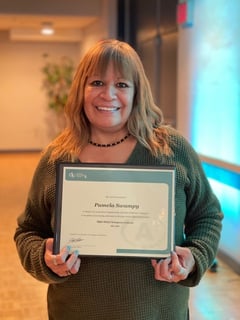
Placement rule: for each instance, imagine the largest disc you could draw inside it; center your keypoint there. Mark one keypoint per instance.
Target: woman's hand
(175, 268)
(63, 264)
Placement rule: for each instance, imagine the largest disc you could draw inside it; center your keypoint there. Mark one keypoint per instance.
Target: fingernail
(76, 252)
(68, 248)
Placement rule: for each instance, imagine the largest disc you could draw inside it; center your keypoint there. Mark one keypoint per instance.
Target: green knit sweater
(123, 288)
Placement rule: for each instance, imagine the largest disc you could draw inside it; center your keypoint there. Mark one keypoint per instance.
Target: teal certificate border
(89, 176)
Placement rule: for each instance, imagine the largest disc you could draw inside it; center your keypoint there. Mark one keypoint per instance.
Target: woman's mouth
(108, 109)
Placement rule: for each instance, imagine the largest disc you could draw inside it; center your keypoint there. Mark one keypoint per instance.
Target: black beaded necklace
(108, 145)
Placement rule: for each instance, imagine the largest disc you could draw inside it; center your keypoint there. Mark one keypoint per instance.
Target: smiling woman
(111, 102)
(108, 102)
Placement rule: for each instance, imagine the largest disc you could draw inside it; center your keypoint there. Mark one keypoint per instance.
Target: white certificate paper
(115, 210)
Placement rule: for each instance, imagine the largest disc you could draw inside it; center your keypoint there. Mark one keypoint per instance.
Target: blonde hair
(145, 122)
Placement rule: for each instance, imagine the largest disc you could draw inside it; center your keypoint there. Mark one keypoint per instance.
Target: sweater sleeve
(36, 223)
(203, 220)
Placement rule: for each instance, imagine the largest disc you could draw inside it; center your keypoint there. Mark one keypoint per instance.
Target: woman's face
(108, 100)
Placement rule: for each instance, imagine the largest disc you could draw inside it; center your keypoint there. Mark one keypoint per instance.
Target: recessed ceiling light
(47, 29)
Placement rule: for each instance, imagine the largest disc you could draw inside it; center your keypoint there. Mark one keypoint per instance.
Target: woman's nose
(109, 92)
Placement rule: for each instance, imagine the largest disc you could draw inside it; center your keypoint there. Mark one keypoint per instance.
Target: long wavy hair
(145, 122)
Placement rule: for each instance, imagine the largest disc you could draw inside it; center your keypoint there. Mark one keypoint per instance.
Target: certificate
(115, 210)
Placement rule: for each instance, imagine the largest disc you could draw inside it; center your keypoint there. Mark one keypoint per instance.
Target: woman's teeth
(108, 109)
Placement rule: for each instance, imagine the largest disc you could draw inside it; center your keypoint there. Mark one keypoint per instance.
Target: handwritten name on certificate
(115, 210)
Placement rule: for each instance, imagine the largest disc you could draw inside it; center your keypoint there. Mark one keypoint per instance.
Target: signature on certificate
(76, 240)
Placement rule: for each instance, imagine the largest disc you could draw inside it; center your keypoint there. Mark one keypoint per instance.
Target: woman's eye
(96, 83)
(122, 85)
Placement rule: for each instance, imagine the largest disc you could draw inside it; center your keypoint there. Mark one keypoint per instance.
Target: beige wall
(25, 122)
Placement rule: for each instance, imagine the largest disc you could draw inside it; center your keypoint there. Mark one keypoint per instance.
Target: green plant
(57, 81)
